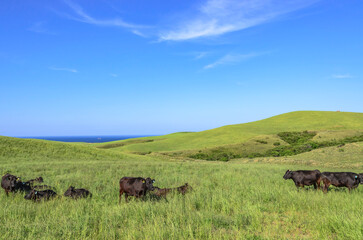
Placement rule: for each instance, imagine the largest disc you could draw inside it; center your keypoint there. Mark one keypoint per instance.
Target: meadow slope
(239, 199)
(239, 133)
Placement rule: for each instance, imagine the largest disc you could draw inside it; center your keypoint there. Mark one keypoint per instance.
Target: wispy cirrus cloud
(40, 27)
(217, 17)
(63, 69)
(341, 76)
(81, 16)
(233, 59)
(200, 55)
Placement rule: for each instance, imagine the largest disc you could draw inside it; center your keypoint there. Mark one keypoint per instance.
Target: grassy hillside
(239, 133)
(42, 149)
(240, 199)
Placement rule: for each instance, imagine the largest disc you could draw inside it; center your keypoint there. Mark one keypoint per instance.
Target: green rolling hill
(344, 123)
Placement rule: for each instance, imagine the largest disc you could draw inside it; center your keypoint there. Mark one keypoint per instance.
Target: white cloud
(217, 17)
(341, 76)
(234, 58)
(64, 69)
(81, 16)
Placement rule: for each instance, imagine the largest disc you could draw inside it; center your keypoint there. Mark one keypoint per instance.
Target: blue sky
(156, 67)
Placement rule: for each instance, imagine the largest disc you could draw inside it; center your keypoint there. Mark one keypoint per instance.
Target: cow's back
(342, 179)
(307, 174)
(131, 185)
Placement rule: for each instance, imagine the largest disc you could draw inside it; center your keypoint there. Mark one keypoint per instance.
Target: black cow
(10, 183)
(349, 180)
(135, 186)
(303, 178)
(28, 185)
(77, 193)
(40, 195)
(162, 192)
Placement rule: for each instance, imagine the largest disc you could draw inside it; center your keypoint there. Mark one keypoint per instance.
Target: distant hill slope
(232, 134)
(42, 149)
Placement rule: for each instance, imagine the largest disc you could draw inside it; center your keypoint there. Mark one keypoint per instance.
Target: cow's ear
(356, 176)
(153, 180)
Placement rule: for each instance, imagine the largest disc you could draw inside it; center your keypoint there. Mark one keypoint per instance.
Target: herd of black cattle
(303, 178)
(139, 187)
(130, 186)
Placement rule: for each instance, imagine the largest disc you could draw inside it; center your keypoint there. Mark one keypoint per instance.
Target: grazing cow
(40, 195)
(10, 183)
(303, 178)
(77, 193)
(28, 185)
(162, 192)
(135, 186)
(349, 180)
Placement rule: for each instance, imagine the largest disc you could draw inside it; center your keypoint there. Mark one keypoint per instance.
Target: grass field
(239, 199)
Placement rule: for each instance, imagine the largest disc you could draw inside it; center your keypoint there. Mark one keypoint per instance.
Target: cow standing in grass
(349, 180)
(135, 186)
(303, 178)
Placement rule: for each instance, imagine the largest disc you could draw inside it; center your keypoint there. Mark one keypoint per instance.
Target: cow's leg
(315, 186)
(126, 195)
(318, 183)
(326, 187)
(119, 197)
(7, 192)
(298, 185)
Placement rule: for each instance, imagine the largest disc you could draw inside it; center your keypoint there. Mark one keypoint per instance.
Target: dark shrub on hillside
(261, 141)
(277, 143)
(296, 137)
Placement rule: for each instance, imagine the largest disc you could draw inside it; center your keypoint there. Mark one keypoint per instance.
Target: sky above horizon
(157, 67)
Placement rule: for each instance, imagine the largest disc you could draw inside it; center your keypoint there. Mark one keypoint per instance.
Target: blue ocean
(88, 139)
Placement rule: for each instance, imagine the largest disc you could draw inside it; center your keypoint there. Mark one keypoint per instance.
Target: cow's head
(69, 191)
(39, 179)
(149, 184)
(12, 181)
(185, 188)
(361, 178)
(288, 174)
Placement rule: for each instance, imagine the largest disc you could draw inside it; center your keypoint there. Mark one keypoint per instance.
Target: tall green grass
(230, 201)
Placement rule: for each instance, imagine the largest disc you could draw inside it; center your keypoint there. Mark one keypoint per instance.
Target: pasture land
(233, 200)
(239, 133)
(244, 198)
